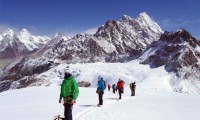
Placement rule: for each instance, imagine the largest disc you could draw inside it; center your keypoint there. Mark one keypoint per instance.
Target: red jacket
(108, 85)
(120, 84)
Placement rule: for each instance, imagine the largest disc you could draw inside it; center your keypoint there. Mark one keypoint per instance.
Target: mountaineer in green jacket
(69, 93)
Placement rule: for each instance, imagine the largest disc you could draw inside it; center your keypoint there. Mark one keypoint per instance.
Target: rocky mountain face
(13, 45)
(116, 41)
(179, 52)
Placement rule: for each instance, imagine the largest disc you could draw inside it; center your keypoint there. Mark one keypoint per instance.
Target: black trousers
(132, 92)
(120, 93)
(68, 111)
(100, 98)
(113, 90)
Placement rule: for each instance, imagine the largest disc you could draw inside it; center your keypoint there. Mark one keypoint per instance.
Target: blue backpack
(102, 85)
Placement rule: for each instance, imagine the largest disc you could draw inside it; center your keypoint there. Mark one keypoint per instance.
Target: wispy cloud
(90, 31)
(177, 23)
(73, 33)
(4, 27)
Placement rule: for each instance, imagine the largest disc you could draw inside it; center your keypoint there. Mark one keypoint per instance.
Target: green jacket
(69, 87)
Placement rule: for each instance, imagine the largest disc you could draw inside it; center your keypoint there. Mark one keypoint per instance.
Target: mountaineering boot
(99, 105)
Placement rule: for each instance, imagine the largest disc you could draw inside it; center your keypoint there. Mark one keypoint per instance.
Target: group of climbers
(70, 91)
(119, 87)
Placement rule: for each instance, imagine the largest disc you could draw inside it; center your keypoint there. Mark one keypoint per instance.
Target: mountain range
(121, 40)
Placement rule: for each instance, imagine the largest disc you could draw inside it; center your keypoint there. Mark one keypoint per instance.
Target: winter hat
(67, 70)
(99, 77)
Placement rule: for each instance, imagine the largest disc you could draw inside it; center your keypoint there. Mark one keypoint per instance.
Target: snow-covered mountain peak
(179, 36)
(24, 31)
(145, 21)
(60, 36)
(144, 15)
(126, 17)
(24, 34)
(136, 33)
(180, 30)
(57, 35)
(183, 31)
(8, 32)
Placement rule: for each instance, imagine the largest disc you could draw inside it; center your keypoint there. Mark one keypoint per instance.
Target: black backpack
(133, 86)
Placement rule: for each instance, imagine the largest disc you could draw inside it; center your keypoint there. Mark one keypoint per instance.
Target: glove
(96, 91)
(73, 101)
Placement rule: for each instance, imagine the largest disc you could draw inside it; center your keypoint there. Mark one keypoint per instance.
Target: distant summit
(13, 45)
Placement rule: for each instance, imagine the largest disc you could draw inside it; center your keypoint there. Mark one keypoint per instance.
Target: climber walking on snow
(114, 88)
(69, 93)
(100, 90)
(120, 87)
(132, 87)
(108, 87)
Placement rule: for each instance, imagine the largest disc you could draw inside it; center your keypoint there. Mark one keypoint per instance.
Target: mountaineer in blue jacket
(114, 88)
(101, 86)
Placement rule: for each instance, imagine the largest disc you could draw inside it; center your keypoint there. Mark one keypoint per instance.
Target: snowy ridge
(24, 43)
(9, 33)
(145, 20)
(141, 31)
(32, 42)
(13, 45)
(59, 35)
(25, 37)
(179, 53)
(114, 41)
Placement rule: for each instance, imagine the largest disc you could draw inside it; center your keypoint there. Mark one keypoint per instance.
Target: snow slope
(111, 72)
(41, 103)
(154, 98)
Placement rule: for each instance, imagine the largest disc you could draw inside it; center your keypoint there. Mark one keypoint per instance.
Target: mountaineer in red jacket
(120, 87)
(108, 87)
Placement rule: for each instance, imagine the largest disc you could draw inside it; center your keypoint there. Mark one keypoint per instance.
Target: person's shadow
(112, 98)
(87, 105)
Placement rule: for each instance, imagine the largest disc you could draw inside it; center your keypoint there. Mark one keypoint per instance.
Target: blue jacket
(101, 85)
(114, 86)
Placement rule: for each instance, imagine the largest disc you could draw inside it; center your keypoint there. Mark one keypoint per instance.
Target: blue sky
(46, 17)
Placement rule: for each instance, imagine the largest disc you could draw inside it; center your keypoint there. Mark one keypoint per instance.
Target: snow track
(107, 102)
